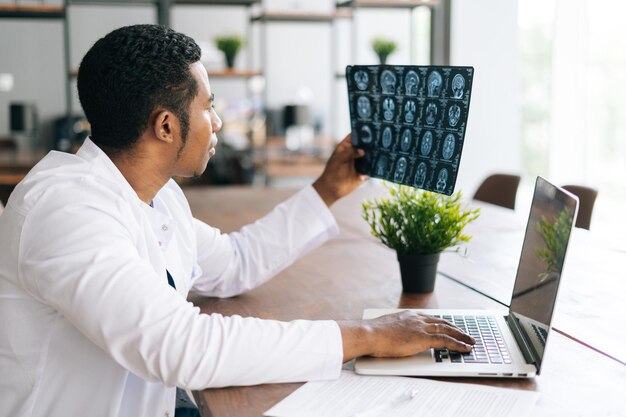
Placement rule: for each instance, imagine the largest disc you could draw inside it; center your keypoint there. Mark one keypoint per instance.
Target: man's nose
(216, 123)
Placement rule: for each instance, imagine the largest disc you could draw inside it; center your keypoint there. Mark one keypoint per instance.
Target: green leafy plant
(383, 47)
(554, 235)
(229, 45)
(412, 221)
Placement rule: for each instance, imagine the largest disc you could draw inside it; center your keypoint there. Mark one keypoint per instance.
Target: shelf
(294, 17)
(398, 4)
(32, 11)
(232, 74)
(212, 73)
(343, 13)
(218, 2)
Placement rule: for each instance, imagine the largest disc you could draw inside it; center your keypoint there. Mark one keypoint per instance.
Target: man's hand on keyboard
(401, 334)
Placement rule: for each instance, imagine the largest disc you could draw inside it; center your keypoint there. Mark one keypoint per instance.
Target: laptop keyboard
(489, 347)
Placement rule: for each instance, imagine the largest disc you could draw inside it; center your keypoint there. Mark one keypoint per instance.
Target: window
(573, 98)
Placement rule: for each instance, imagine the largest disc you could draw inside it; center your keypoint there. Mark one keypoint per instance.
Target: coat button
(164, 228)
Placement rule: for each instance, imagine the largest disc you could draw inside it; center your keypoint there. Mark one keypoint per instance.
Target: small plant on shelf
(383, 47)
(229, 45)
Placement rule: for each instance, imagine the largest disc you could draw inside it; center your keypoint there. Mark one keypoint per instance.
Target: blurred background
(547, 97)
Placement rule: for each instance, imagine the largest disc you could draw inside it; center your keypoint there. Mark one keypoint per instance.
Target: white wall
(484, 35)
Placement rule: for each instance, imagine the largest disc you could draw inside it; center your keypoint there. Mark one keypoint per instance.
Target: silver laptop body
(511, 343)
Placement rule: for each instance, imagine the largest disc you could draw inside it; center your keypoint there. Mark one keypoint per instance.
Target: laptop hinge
(520, 337)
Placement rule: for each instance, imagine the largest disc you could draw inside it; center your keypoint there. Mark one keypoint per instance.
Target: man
(99, 251)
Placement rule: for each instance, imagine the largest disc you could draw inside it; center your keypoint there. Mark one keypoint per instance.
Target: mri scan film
(411, 122)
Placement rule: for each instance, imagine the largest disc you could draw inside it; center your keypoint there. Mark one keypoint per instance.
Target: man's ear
(165, 125)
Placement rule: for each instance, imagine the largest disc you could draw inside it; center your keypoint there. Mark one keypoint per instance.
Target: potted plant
(383, 48)
(419, 225)
(229, 45)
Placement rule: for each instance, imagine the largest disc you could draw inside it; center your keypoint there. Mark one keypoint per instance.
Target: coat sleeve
(233, 263)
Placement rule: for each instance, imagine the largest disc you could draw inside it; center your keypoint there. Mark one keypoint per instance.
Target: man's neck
(142, 172)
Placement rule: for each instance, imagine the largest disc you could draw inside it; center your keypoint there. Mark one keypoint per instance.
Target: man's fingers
(437, 325)
(448, 329)
(358, 153)
(431, 319)
(346, 152)
(444, 341)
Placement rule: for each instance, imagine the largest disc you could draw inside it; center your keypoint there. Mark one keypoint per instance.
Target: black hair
(130, 72)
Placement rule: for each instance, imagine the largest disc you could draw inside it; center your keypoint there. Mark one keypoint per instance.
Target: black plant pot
(230, 61)
(418, 272)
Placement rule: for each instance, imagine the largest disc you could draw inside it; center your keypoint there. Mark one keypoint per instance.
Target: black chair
(587, 199)
(499, 189)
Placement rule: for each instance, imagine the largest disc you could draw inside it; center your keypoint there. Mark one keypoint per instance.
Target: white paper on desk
(388, 396)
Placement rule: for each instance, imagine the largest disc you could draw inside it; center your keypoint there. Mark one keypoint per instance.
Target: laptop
(509, 344)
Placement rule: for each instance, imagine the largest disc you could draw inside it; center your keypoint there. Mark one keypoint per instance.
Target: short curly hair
(129, 73)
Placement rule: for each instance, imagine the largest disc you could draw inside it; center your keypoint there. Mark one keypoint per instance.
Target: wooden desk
(353, 272)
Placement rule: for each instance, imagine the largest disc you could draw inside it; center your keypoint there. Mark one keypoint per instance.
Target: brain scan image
(386, 137)
(434, 84)
(381, 165)
(411, 81)
(431, 113)
(400, 170)
(442, 180)
(364, 108)
(388, 82)
(411, 122)
(420, 175)
(361, 79)
(448, 146)
(454, 114)
(409, 111)
(405, 142)
(458, 85)
(388, 109)
(366, 134)
(427, 143)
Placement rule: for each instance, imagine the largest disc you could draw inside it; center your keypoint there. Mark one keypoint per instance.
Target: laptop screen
(552, 216)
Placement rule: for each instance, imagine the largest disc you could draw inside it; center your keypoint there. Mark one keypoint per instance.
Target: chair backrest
(587, 199)
(499, 189)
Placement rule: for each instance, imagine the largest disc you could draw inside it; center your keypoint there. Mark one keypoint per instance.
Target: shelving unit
(270, 150)
(276, 161)
(363, 13)
(38, 12)
(387, 4)
(383, 4)
(31, 11)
